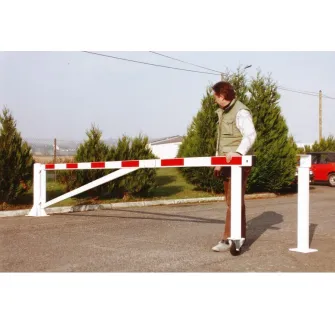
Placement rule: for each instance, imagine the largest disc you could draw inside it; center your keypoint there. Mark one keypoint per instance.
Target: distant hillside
(45, 147)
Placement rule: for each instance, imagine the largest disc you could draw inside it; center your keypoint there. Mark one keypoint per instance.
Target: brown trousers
(226, 173)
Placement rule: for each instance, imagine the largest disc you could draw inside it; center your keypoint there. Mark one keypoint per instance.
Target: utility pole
(55, 154)
(320, 115)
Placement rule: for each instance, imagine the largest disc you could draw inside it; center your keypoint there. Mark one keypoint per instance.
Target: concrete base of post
(37, 212)
(306, 250)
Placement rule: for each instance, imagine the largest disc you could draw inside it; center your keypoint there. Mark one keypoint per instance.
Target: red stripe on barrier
(172, 162)
(98, 165)
(130, 163)
(50, 166)
(223, 161)
(74, 166)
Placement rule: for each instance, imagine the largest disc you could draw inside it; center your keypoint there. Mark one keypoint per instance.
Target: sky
(60, 94)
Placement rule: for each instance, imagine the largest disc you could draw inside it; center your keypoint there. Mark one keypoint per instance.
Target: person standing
(236, 135)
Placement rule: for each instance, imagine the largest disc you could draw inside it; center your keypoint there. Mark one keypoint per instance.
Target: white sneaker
(222, 246)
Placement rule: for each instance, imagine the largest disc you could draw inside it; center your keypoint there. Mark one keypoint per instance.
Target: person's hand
(230, 155)
(217, 171)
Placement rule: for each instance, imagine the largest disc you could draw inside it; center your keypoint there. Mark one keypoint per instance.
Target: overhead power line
(156, 65)
(298, 91)
(304, 92)
(169, 57)
(325, 96)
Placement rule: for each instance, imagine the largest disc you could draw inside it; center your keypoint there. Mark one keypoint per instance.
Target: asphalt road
(170, 239)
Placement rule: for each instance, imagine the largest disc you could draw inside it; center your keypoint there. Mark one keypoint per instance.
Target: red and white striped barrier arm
(155, 163)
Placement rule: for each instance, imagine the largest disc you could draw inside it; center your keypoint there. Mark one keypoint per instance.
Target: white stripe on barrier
(113, 164)
(152, 163)
(198, 162)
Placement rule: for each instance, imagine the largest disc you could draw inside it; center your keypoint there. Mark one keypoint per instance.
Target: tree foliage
(16, 160)
(326, 144)
(274, 148)
(94, 149)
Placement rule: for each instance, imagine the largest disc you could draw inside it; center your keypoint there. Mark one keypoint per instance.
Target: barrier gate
(127, 166)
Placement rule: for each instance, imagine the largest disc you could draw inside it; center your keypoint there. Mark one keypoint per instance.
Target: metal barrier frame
(128, 166)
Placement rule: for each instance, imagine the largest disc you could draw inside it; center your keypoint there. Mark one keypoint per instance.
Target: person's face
(220, 100)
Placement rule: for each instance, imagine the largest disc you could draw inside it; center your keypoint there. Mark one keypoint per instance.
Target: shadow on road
(145, 215)
(312, 228)
(256, 227)
(259, 225)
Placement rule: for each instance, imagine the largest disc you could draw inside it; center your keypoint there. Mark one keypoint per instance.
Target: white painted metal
(113, 164)
(86, 187)
(197, 162)
(43, 187)
(236, 199)
(85, 166)
(150, 163)
(303, 206)
(37, 210)
(247, 161)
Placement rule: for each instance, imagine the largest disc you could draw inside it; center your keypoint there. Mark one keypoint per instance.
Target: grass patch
(171, 186)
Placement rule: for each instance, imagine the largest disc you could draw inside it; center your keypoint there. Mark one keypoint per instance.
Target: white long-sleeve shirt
(246, 126)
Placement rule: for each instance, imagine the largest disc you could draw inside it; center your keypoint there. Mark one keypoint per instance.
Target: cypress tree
(140, 182)
(16, 160)
(92, 150)
(275, 150)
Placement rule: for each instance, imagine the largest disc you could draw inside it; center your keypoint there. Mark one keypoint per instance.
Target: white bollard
(303, 206)
(236, 199)
(39, 192)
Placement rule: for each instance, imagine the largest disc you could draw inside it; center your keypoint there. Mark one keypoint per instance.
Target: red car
(295, 181)
(323, 167)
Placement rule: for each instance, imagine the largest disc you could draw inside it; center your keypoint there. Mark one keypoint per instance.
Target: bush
(140, 182)
(326, 144)
(93, 150)
(68, 177)
(16, 160)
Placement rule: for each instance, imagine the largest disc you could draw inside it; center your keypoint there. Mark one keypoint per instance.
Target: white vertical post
(43, 186)
(303, 206)
(236, 199)
(39, 195)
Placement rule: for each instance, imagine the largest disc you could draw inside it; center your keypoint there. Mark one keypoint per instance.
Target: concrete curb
(109, 206)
